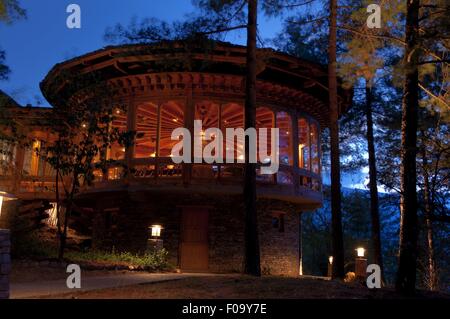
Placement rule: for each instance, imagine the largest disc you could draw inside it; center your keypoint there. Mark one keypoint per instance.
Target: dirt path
(241, 287)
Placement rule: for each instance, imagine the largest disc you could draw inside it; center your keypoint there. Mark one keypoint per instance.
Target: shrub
(151, 261)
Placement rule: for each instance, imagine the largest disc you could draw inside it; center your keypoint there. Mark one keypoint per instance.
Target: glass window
(284, 123)
(116, 150)
(233, 117)
(146, 130)
(31, 159)
(208, 113)
(172, 117)
(303, 144)
(265, 119)
(7, 157)
(315, 148)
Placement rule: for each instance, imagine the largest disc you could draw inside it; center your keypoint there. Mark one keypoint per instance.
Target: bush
(151, 261)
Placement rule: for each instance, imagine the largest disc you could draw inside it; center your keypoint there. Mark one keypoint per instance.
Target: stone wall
(121, 220)
(5, 263)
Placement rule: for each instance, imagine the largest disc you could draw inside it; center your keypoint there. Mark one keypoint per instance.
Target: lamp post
(360, 263)
(155, 242)
(330, 266)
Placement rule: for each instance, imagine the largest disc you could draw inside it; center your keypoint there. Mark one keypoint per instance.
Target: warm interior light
(117, 111)
(123, 149)
(330, 259)
(175, 120)
(300, 154)
(241, 157)
(360, 252)
(1, 204)
(83, 125)
(153, 155)
(156, 230)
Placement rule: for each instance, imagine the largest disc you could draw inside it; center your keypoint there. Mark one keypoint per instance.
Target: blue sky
(34, 45)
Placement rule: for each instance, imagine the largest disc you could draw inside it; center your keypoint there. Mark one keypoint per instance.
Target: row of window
(150, 119)
(154, 126)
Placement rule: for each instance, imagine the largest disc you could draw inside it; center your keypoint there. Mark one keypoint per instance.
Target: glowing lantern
(360, 252)
(156, 230)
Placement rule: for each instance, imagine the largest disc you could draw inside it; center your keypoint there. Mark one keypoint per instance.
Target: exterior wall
(5, 263)
(122, 219)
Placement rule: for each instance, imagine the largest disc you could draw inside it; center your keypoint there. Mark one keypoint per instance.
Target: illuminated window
(284, 123)
(265, 119)
(233, 117)
(303, 144)
(7, 156)
(119, 123)
(314, 131)
(31, 159)
(208, 113)
(146, 130)
(172, 117)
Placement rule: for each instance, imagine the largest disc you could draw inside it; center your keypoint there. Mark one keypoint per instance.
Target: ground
(141, 285)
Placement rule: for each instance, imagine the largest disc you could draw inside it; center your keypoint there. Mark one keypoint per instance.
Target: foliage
(10, 10)
(83, 135)
(153, 261)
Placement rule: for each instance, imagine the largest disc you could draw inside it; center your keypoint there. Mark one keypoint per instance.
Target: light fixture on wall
(156, 230)
(330, 260)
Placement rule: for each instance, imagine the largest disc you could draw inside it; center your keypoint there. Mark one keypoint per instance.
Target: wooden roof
(282, 78)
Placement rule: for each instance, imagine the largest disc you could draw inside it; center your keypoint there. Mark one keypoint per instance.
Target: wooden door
(194, 239)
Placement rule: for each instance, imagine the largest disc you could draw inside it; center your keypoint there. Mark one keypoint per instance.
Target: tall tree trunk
(252, 256)
(406, 273)
(429, 224)
(63, 236)
(374, 209)
(336, 215)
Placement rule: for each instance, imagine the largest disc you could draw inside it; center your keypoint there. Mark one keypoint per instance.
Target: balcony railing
(162, 171)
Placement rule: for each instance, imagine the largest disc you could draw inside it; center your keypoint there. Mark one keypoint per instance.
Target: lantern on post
(330, 266)
(360, 263)
(154, 242)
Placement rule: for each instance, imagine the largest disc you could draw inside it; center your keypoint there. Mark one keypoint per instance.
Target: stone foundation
(5, 263)
(121, 220)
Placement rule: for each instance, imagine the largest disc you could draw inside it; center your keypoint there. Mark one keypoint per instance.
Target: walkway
(46, 288)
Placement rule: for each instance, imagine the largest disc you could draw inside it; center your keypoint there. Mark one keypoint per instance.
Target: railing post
(5, 263)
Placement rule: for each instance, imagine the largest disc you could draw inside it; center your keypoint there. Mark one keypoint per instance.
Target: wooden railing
(162, 171)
